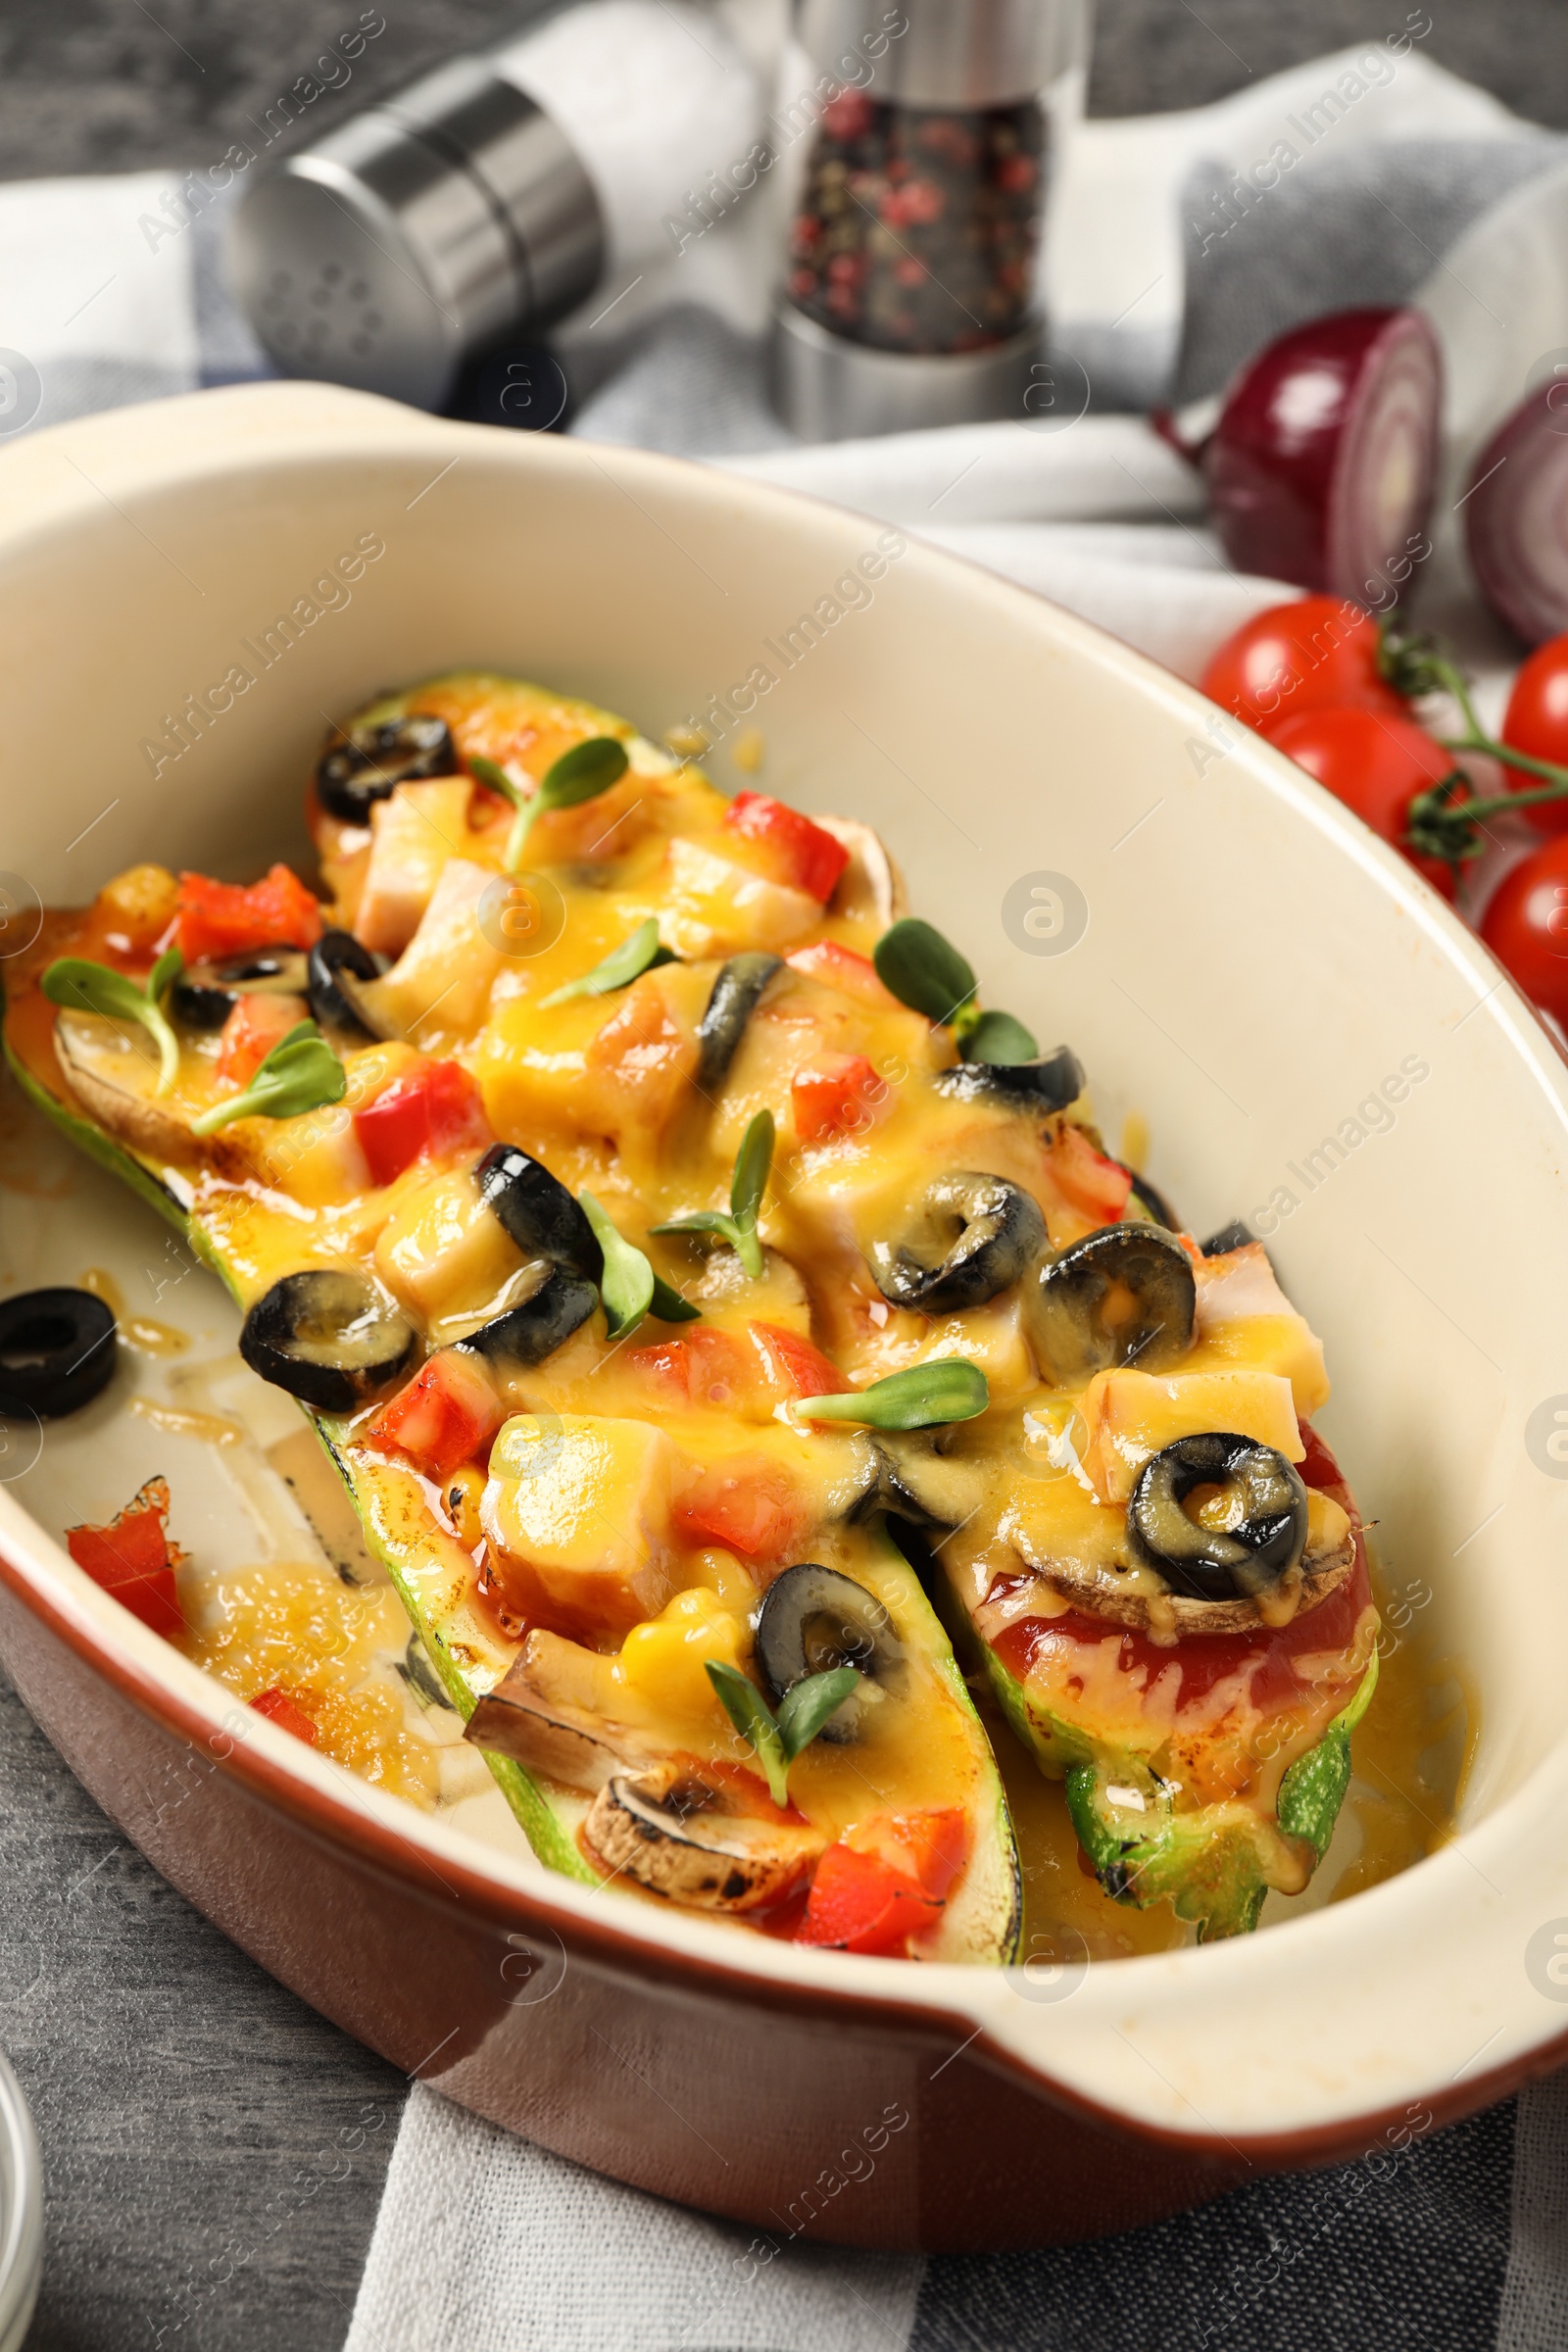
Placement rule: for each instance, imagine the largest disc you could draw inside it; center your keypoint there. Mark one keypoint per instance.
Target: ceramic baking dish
(1254, 966)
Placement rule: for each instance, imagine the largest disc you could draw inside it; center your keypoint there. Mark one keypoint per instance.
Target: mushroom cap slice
(680, 1832)
(1138, 1599)
(107, 1081)
(552, 1737)
(871, 883)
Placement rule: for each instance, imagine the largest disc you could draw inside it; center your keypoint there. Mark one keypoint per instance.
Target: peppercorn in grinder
(910, 287)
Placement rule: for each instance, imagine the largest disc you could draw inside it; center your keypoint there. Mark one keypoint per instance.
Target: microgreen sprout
(752, 1162)
(801, 1712)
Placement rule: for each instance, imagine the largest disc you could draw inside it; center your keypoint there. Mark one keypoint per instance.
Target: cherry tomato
(1376, 766)
(1526, 925)
(1537, 722)
(1299, 656)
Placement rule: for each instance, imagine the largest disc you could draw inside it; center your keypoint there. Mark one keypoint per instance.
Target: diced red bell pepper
(277, 1706)
(796, 851)
(433, 1108)
(747, 1505)
(930, 1846)
(1096, 1186)
(446, 1416)
(215, 919)
(801, 1369)
(132, 1558)
(254, 1026)
(840, 968)
(837, 1094)
(859, 1903)
(705, 1367)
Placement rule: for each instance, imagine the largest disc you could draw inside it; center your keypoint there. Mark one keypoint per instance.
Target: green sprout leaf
(80, 986)
(669, 1306)
(752, 1162)
(580, 774)
(997, 1037)
(639, 953)
(300, 1074)
(923, 970)
(780, 1739)
(926, 973)
(626, 1286)
(922, 1397)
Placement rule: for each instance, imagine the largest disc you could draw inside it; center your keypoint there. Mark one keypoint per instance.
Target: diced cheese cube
(1131, 1415)
(715, 908)
(442, 980)
(414, 833)
(442, 1249)
(582, 1507)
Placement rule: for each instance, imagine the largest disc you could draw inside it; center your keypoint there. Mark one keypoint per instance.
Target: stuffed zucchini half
(654, 1224)
(425, 1131)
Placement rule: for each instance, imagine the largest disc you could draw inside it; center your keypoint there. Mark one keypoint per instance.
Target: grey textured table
(194, 2116)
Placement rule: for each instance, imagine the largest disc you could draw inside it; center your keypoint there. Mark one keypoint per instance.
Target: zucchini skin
(549, 1834)
(1207, 1862)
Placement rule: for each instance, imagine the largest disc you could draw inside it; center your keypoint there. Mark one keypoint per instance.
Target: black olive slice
(814, 1619)
(525, 1335)
(336, 963)
(730, 1005)
(204, 995)
(537, 1210)
(366, 764)
(1048, 1084)
(1122, 1296)
(57, 1350)
(974, 1236)
(1261, 1497)
(920, 1485)
(329, 1336)
(1234, 1236)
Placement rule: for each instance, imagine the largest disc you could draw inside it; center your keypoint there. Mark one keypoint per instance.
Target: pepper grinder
(491, 197)
(909, 297)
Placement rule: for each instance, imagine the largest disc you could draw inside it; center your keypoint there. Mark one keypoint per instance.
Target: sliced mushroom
(206, 994)
(525, 1336)
(550, 1736)
(537, 1210)
(814, 1619)
(1220, 1517)
(1124, 1295)
(1048, 1084)
(870, 885)
(1140, 1599)
(338, 968)
(367, 763)
(974, 1236)
(328, 1336)
(679, 1832)
(735, 996)
(105, 1076)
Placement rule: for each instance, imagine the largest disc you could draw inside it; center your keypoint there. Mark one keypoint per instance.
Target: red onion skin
(1272, 475)
(1504, 507)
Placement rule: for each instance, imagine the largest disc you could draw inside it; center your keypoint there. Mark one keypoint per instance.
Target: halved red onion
(1516, 517)
(1322, 464)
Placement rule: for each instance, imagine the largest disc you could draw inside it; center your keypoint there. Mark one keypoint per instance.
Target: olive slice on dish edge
(57, 1351)
(329, 1336)
(1048, 1083)
(1124, 1295)
(1251, 1534)
(367, 763)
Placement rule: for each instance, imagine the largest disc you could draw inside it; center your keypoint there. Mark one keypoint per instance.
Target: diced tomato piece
(859, 1903)
(799, 1367)
(1096, 1186)
(434, 1108)
(798, 853)
(837, 1094)
(930, 1846)
(703, 1367)
(254, 1026)
(132, 1558)
(748, 1504)
(852, 974)
(446, 1415)
(277, 1706)
(229, 918)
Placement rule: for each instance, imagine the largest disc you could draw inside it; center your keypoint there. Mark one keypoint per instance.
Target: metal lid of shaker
(946, 53)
